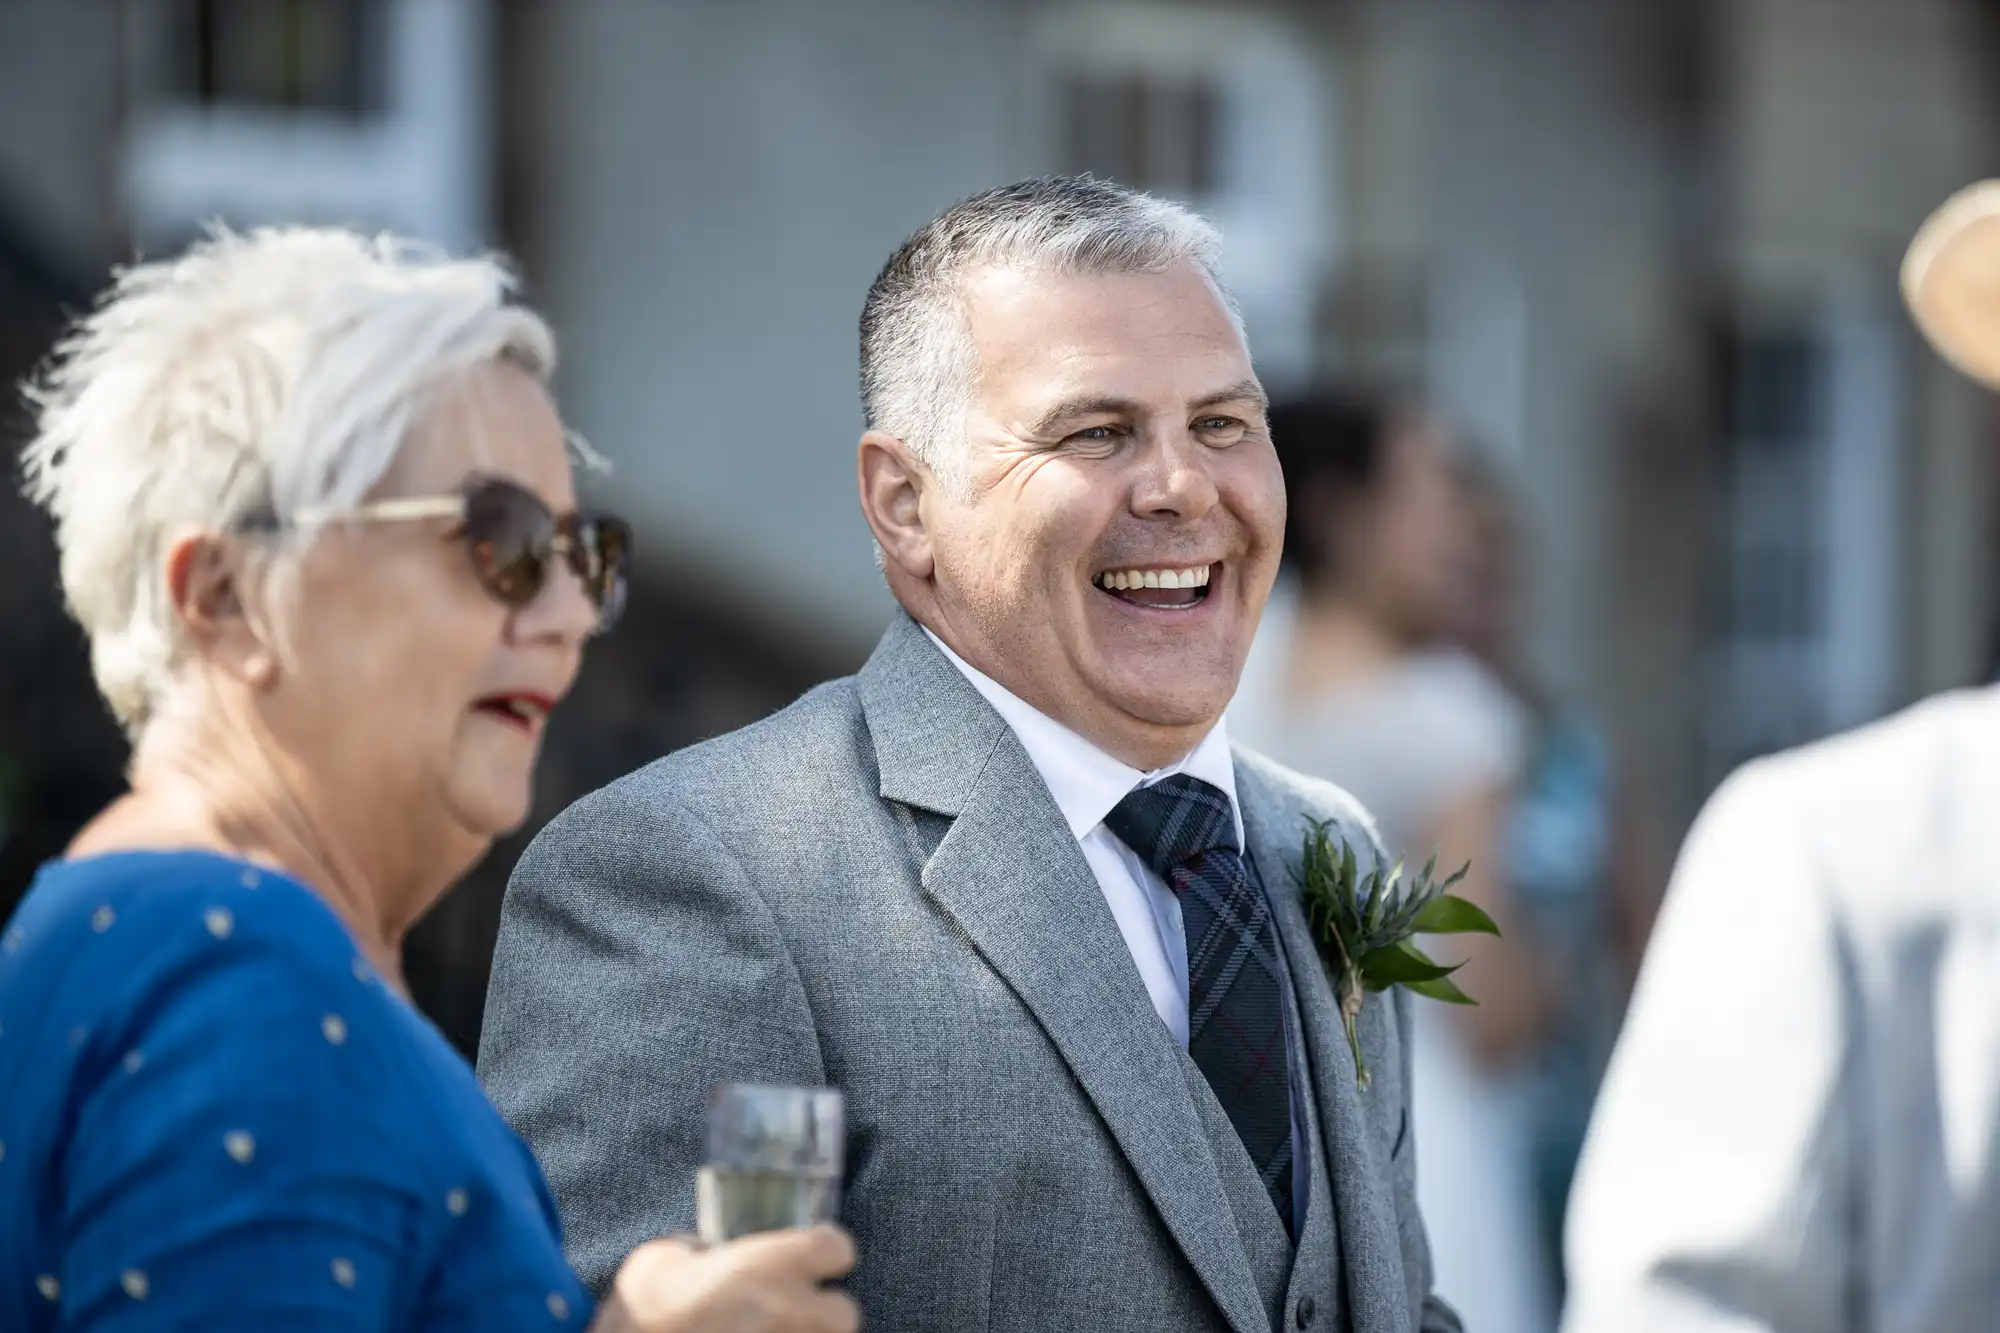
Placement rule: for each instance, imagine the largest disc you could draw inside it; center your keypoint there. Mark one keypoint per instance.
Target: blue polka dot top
(214, 1114)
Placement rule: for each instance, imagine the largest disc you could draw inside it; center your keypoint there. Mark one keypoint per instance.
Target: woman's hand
(767, 1283)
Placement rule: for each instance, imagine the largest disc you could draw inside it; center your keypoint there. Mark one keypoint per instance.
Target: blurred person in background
(317, 519)
(1800, 1129)
(1572, 852)
(1353, 679)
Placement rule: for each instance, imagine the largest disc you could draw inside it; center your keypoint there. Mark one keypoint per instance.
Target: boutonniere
(1364, 925)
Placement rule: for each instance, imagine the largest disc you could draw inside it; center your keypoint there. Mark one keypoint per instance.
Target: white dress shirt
(1087, 784)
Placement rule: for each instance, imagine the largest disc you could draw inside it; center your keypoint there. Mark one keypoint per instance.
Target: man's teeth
(1154, 578)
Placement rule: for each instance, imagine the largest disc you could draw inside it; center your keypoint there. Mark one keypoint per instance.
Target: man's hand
(767, 1283)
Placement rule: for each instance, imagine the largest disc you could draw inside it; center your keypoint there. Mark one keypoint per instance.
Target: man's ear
(893, 481)
(206, 584)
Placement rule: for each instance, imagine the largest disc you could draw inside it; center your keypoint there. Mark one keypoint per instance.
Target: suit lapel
(1009, 873)
(1371, 1253)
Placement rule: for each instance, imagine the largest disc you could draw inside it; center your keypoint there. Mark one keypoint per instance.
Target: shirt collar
(1085, 781)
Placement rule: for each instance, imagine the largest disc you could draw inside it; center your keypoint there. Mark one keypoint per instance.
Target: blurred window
(1807, 637)
(1774, 476)
(1223, 106)
(1153, 132)
(288, 55)
(1778, 391)
(1768, 694)
(373, 114)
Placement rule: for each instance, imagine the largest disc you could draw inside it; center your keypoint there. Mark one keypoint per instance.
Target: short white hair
(276, 370)
(917, 359)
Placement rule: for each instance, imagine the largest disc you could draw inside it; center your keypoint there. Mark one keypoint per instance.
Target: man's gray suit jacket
(874, 890)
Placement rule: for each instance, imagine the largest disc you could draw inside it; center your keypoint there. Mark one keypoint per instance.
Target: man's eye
(1220, 427)
(1096, 435)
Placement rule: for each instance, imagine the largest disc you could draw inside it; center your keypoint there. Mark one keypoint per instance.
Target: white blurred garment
(1800, 1131)
(1408, 746)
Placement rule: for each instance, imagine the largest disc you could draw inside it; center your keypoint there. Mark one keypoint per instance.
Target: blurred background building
(1644, 252)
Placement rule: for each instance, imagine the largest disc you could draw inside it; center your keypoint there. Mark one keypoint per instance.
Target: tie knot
(1174, 821)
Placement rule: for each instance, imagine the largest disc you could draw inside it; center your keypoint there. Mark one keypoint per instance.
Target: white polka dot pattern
(558, 1306)
(135, 1284)
(219, 922)
(343, 1273)
(133, 1061)
(334, 1028)
(238, 1144)
(457, 1202)
(50, 1288)
(101, 919)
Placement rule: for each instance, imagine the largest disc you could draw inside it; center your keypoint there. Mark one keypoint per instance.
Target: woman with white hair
(316, 516)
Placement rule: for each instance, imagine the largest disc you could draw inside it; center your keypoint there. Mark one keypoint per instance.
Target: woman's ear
(206, 582)
(893, 480)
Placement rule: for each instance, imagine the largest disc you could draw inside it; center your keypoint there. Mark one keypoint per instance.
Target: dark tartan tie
(1185, 830)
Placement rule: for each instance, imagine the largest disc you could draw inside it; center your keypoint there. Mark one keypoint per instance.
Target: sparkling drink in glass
(774, 1160)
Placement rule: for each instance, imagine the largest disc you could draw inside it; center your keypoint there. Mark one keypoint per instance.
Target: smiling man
(1009, 888)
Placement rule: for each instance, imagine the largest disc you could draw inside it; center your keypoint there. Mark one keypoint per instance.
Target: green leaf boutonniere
(1364, 925)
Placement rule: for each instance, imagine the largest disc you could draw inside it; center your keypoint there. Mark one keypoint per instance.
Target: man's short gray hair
(917, 358)
(278, 370)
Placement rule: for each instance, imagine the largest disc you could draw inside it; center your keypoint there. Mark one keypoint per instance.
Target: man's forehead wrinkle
(1135, 350)
(1081, 405)
(1247, 389)
(1063, 401)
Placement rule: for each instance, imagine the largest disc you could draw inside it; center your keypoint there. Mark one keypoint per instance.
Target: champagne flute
(774, 1160)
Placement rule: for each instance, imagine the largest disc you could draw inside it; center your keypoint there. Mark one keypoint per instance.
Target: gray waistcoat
(1286, 1278)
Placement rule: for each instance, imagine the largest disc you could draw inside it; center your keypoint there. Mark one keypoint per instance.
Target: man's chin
(1173, 706)
(1184, 684)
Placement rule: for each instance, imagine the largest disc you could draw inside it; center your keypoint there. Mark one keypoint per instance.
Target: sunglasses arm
(387, 511)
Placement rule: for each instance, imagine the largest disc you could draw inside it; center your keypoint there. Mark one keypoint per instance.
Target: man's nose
(1175, 481)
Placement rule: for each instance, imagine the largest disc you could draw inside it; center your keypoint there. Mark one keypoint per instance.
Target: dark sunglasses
(512, 538)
